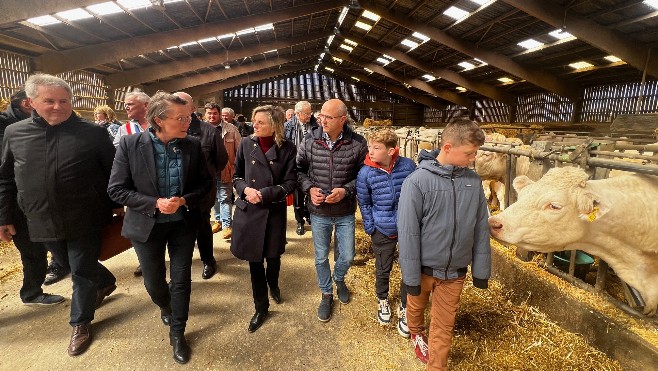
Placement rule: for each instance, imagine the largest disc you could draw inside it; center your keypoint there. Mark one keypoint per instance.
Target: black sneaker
(324, 310)
(300, 229)
(45, 299)
(343, 292)
(55, 273)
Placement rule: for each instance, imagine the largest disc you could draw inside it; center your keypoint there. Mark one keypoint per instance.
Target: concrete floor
(128, 333)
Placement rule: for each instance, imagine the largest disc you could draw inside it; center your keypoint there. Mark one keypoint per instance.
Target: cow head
(550, 214)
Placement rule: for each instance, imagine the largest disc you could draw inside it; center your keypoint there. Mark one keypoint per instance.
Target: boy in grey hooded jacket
(442, 228)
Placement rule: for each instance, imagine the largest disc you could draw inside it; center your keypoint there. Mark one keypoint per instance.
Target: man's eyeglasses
(326, 117)
(182, 120)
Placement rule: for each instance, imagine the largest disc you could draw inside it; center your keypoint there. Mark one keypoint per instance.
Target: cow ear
(591, 206)
(521, 182)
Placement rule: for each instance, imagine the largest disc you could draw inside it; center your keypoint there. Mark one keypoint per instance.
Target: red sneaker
(420, 347)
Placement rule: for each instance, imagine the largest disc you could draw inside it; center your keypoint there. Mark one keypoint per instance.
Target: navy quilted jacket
(168, 164)
(378, 193)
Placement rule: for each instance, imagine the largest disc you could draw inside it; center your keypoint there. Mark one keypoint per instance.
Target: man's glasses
(326, 117)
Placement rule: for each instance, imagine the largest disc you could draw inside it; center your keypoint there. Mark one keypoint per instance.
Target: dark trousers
(384, 249)
(33, 257)
(204, 238)
(179, 238)
(88, 275)
(261, 278)
(299, 199)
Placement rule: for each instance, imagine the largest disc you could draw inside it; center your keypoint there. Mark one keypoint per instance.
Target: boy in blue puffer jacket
(378, 187)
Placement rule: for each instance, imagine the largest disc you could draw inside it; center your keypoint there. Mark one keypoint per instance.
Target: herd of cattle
(615, 218)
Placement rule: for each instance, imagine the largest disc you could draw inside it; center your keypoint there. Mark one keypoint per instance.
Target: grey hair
(42, 79)
(158, 106)
(229, 110)
(139, 95)
(299, 106)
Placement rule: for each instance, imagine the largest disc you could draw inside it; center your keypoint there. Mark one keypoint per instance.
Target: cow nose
(494, 224)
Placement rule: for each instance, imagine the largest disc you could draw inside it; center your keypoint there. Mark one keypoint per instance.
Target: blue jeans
(322, 228)
(224, 203)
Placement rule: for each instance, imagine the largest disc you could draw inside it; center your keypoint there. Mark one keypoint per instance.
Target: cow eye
(554, 206)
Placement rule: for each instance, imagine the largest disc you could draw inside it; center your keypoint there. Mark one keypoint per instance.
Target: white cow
(615, 219)
(492, 168)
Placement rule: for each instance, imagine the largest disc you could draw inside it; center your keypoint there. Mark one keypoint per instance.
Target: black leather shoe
(165, 316)
(276, 295)
(181, 349)
(138, 271)
(257, 320)
(300, 229)
(209, 269)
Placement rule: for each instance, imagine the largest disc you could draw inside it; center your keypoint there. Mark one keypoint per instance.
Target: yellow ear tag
(592, 216)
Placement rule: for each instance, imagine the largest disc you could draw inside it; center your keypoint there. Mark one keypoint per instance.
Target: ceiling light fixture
(363, 26)
(346, 47)
(44, 20)
(456, 13)
(74, 14)
(560, 34)
(505, 80)
(580, 65)
(612, 58)
(429, 77)
(105, 8)
(370, 15)
(530, 44)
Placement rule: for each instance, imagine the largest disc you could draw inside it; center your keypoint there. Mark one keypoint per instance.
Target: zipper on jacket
(454, 220)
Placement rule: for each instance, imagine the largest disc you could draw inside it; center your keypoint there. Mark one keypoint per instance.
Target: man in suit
(213, 149)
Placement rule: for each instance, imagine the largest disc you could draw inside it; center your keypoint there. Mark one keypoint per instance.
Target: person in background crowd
(105, 117)
(296, 129)
(33, 254)
(265, 174)
(443, 228)
(162, 177)
(227, 116)
(60, 165)
(213, 149)
(289, 114)
(224, 201)
(378, 188)
(136, 104)
(328, 161)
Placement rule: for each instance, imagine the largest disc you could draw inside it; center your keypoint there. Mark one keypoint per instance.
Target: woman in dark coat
(265, 173)
(162, 177)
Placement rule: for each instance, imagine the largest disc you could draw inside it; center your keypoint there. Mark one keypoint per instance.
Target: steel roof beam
(160, 71)
(204, 78)
(630, 51)
(89, 56)
(418, 84)
(424, 100)
(535, 76)
(443, 73)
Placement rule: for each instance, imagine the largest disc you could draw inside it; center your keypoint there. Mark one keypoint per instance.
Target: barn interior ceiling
(434, 52)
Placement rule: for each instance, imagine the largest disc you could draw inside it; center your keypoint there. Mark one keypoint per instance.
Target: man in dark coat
(295, 130)
(33, 254)
(55, 167)
(213, 149)
(328, 161)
